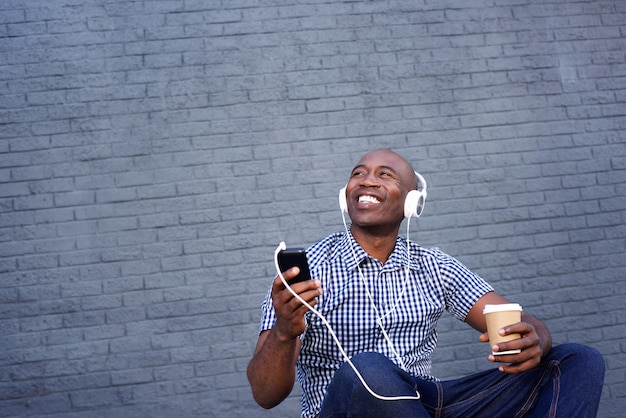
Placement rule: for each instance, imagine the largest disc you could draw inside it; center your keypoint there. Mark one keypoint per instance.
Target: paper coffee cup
(499, 316)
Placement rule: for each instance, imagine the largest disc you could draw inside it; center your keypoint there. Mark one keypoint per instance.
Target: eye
(387, 174)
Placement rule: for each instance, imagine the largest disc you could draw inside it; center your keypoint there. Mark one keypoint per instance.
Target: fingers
(290, 310)
(516, 363)
(530, 355)
(529, 337)
(288, 275)
(309, 296)
(285, 301)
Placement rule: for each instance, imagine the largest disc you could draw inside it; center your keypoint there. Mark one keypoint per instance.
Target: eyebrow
(386, 167)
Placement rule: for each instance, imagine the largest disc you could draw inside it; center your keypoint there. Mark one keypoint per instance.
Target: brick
(97, 398)
(130, 377)
(105, 332)
(129, 344)
(83, 319)
(123, 315)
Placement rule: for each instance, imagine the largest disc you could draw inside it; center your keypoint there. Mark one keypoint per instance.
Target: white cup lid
(502, 307)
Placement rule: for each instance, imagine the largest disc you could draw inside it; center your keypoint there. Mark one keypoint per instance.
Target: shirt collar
(351, 251)
(399, 257)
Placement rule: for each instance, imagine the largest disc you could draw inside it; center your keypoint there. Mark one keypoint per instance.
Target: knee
(375, 373)
(378, 372)
(348, 395)
(581, 352)
(371, 360)
(586, 359)
(369, 364)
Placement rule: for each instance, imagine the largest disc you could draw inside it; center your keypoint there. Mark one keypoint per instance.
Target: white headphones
(413, 204)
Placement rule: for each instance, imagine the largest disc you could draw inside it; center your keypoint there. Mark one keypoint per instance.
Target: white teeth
(368, 199)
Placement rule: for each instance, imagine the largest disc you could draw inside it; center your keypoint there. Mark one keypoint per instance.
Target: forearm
(271, 371)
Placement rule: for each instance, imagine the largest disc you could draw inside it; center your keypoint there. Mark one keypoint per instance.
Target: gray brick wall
(154, 153)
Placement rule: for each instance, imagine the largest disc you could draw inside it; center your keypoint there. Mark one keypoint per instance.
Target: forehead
(385, 158)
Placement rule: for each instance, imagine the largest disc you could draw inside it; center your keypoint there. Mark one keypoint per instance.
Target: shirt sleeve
(268, 315)
(463, 288)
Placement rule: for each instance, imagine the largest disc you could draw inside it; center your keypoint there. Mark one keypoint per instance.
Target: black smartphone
(291, 257)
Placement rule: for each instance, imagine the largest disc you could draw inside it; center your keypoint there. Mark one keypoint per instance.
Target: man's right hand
(289, 310)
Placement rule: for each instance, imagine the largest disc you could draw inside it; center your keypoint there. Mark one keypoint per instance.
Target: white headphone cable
(379, 320)
(282, 246)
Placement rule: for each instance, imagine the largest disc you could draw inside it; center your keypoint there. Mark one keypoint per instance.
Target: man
(383, 300)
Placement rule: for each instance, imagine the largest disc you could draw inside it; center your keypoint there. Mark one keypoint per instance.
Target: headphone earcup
(343, 201)
(414, 203)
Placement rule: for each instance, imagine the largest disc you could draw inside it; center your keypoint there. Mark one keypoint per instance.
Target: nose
(370, 180)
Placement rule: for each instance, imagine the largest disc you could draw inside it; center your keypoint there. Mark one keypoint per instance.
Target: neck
(378, 244)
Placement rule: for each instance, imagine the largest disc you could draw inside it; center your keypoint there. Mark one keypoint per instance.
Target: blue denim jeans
(568, 383)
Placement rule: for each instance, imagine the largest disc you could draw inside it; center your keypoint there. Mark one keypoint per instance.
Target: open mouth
(368, 199)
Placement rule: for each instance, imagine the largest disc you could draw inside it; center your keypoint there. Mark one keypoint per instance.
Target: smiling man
(375, 196)
(382, 296)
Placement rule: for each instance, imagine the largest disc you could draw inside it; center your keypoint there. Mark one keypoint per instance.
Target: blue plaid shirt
(436, 282)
